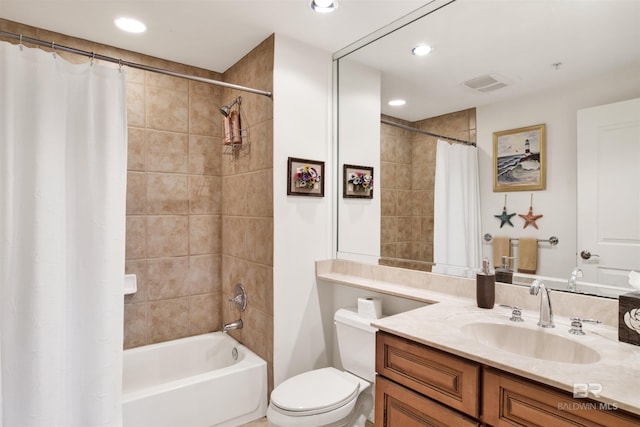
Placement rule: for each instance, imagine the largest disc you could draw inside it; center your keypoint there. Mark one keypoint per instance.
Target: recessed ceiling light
(397, 102)
(324, 6)
(421, 50)
(130, 25)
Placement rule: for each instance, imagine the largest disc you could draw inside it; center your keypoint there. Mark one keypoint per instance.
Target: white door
(609, 192)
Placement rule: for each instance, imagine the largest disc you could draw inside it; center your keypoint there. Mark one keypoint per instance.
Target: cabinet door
(443, 377)
(513, 401)
(397, 406)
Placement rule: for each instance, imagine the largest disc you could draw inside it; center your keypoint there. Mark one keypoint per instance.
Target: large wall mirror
(572, 67)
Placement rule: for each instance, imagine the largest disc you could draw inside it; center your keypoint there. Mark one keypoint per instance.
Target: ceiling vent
(486, 83)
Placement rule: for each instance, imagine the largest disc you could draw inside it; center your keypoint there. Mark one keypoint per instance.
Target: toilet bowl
(332, 395)
(329, 397)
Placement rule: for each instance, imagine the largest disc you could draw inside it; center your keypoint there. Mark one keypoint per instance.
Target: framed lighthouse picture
(519, 159)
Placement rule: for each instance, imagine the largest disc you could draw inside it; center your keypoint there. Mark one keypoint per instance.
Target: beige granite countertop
(452, 305)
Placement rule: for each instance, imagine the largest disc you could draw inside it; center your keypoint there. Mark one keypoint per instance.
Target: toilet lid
(315, 391)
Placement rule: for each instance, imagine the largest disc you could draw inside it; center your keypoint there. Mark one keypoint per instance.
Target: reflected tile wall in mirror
(407, 163)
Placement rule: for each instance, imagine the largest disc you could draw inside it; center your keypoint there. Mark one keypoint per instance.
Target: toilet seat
(315, 392)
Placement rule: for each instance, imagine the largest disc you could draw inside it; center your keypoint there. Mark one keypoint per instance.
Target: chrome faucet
(233, 325)
(575, 274)
(240, 301)
(546, 313)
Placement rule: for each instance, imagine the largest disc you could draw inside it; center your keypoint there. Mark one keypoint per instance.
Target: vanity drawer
(510, 400)
(448, 379)
(397, 406)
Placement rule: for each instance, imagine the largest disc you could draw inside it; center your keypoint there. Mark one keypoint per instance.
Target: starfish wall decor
(504, 217)
(530, 218)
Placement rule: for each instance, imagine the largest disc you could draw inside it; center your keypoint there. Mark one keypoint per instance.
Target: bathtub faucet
(233, 325)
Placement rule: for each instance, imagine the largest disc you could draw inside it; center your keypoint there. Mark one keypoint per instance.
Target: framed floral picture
(358, 182)
(519, 159)
(305, 177)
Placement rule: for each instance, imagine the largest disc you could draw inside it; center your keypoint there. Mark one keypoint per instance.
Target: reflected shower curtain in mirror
(456, 229)
(63, 152)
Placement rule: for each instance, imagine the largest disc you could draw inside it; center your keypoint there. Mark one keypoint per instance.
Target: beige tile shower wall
(174, 201)
(408, 162)
(395, 191)
(247, 200)
(173, 241)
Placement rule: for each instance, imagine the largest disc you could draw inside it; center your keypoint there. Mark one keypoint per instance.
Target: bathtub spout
(233, 325)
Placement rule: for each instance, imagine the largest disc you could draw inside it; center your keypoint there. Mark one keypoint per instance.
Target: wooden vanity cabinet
(397, 406)
(420, 386)
(417, 385)
(510, 400)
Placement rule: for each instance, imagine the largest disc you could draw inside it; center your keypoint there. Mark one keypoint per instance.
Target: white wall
(359, 136)
(558, 110)
(302, 225)
(303, 310)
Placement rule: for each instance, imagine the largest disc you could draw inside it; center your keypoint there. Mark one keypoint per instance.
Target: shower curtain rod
(121, 62)
(412, 129)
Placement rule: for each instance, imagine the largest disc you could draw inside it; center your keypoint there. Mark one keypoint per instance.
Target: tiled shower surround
(198, 221)
(408, 164)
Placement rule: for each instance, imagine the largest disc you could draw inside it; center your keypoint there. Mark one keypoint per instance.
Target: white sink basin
(536, 343)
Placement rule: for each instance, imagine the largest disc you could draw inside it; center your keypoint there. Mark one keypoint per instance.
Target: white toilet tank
(356, 343)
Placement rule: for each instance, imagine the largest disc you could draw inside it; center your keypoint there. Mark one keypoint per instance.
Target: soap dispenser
(485, 286)
(504, 274)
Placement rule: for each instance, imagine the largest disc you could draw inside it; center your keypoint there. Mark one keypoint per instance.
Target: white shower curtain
(63, 140)
(456, 228)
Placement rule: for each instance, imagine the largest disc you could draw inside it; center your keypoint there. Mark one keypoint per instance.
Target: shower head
(225, 110)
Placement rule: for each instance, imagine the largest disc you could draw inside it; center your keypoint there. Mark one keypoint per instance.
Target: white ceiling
(212, 34)
(517, 39)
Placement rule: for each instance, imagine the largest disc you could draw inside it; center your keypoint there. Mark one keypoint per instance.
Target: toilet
(329, 397)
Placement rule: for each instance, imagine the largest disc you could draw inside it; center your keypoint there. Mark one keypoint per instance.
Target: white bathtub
(193, 382)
